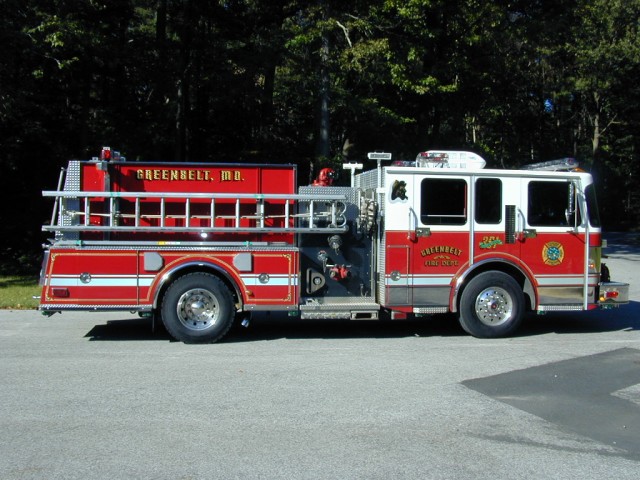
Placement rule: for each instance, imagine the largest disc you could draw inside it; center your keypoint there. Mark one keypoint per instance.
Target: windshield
(592, 206)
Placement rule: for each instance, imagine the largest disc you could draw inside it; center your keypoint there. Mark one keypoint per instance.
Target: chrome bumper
(613, 294)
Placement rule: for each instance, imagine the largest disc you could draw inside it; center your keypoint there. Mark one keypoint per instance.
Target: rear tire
(198, 308)
(492, 305)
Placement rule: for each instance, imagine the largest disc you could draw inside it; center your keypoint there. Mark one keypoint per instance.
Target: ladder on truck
(558, 165)
(76, 211)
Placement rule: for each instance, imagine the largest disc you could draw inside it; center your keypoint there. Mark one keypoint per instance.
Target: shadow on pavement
(128, 329)
(625, 317)
(273, 327)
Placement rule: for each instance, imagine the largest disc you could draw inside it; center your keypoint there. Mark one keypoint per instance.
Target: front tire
(492, 305)
(198, 308)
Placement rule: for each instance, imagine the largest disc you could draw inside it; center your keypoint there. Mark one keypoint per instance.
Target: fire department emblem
(553, 253)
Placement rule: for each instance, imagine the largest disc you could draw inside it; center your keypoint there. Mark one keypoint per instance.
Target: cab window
(488, 200)
(548, 204)
(443, 201)
(592, 205)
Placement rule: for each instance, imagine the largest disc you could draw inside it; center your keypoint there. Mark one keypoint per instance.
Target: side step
(347, 308)
(341, 314)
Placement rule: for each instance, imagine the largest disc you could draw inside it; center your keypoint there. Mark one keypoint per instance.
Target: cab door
(441, 246)
(497, 217)
(398, 238)
(554, 244)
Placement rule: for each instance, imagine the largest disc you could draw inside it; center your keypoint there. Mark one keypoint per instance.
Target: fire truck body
(198, 244)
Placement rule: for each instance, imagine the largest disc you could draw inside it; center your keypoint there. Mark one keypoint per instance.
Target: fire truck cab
(491, 244)
(198, 245)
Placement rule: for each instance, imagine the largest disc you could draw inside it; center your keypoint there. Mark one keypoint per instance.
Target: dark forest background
(313, 82)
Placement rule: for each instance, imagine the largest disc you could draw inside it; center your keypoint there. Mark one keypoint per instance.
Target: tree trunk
(595, 138)
(323, 148)
(183, 91)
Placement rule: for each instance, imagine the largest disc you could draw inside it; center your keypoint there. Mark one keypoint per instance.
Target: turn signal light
(613, 294)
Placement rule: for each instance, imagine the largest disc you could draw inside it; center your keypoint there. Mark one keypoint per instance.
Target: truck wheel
(491, 305)
(198, 308)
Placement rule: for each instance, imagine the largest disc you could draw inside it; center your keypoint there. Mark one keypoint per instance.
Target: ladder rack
(561, 164)
(78, 211)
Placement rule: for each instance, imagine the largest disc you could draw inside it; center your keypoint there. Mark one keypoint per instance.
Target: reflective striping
(147, 281)
(435, 280)
(561, 280)
(419, 281)
(428, 281)
(288, 280)
(274, 280)
(101, 281)
(64, 282)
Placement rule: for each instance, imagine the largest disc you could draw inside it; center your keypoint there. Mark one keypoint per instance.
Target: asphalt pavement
(101, 396)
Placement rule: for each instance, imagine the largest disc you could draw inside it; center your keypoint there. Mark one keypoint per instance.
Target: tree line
(315, 82)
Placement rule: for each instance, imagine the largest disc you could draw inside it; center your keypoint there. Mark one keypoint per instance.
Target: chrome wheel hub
(494, 306)
(198, 309)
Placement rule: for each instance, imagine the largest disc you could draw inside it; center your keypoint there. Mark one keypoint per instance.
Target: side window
(592, 205)
(488, 200)
(548, 203)
(444, 201)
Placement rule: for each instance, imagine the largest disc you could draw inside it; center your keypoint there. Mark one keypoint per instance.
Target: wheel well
(503, 267)
(170, 277)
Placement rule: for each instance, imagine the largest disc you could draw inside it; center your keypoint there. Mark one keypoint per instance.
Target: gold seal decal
(553, 253)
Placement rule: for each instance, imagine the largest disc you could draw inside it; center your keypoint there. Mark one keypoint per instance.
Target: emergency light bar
(450, 159)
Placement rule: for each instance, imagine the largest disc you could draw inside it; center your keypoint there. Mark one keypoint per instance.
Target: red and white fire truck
(200, 245)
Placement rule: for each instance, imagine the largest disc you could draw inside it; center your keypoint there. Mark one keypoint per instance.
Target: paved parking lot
(94, 396)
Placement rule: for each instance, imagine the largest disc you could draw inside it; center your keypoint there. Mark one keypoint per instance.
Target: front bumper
(613, 294)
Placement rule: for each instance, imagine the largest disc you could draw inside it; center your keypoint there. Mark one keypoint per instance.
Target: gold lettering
(225, 176)
(444, 249)
(193, 175)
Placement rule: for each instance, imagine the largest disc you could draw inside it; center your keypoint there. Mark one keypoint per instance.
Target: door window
(548, 204)
(488, 201)
(444, 201)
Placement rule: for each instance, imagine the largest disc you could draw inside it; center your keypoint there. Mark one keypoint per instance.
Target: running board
(341, 314)
(340, 308)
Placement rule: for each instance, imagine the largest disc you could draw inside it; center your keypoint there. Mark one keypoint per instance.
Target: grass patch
(16, 292)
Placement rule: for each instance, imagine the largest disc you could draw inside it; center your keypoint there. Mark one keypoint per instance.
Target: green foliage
(306, 81)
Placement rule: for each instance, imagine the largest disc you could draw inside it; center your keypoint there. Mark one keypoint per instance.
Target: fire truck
(198, 246)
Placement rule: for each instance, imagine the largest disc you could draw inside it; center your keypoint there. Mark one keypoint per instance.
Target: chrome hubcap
(198, 309)
(494, 306)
